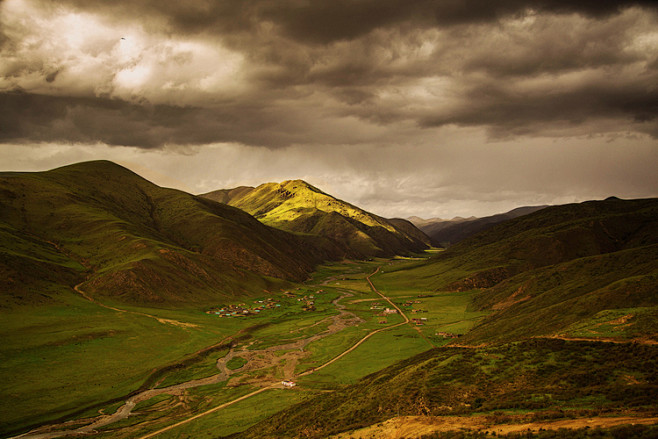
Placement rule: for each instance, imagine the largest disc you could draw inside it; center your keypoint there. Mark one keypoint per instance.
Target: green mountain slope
(571, 330)
(136, 241)
(562, 266)
(297, 206)
(542, 378)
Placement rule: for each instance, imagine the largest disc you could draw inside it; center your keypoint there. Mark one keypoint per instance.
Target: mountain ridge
(449, 232)
(136, 234)
(297, 206)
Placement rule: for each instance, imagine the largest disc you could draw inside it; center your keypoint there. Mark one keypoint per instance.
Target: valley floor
(320, 353)
(362, 322)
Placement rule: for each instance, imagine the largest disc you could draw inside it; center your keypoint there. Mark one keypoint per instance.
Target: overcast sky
(429, 108)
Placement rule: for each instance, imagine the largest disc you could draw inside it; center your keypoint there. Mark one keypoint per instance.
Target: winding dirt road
(159, 319)
(406, 319)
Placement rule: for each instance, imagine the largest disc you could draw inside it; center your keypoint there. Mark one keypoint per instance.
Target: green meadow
(86, 357)
(239, 416)
(57, 361)
(379, 351)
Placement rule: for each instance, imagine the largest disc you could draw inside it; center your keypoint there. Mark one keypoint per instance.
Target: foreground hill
(571, 330)
(296, 206)
(500, 385)
(136, 241)
(449, 232)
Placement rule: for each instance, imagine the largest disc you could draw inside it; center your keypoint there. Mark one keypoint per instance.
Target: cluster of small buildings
(419, 322)
(309, 301)
(243, 310)
(288, 383)
(447, 335)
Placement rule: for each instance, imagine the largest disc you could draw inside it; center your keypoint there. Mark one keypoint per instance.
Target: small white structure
(287, 383)
(390, 311)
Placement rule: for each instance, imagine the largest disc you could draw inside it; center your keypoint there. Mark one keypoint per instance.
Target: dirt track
(159, 319)
(406, 319)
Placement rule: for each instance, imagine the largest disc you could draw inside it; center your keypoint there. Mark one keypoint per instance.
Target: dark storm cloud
(35, 117)
(28, 117)
(301, 68)
(327, 21)
(453, 12)
(506, 110)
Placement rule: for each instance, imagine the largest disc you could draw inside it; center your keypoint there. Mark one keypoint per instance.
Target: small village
(309, 301)
(245, 310)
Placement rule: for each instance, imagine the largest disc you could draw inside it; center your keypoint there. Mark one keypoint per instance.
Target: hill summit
(297, 206)
(127, 237)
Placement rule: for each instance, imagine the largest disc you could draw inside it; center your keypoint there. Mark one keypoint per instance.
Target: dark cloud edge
(318, 22)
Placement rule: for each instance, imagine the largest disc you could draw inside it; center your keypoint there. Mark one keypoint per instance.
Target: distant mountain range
(447, 232)
(299, 207)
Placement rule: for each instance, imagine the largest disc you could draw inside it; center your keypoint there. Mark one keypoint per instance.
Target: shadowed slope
(449, 232)
(138, 241)
(542, 273)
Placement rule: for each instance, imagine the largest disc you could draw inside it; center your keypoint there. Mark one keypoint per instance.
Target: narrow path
(159, 319)
(645, 341)
(406, 319)
(214, 409)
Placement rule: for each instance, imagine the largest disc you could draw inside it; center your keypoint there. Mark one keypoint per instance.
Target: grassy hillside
(542, 273)
(297, 206)
(542, 379)
(566, 326)
(105, 279)
(136, 241)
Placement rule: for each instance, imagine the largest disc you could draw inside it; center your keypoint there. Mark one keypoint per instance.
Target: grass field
(239, 416)
(58, 360)
(74, 357)
(379, 351)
